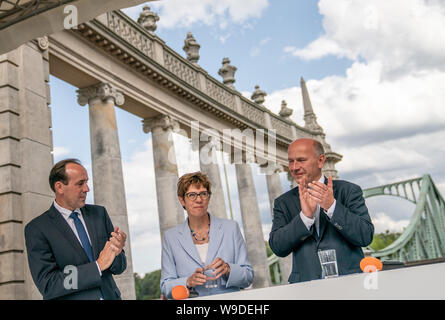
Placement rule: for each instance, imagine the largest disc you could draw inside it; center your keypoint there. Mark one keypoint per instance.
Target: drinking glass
(210, 283)
(328, 261)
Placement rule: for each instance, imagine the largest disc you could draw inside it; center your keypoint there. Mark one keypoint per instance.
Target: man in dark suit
(72, 248)
(319, 214)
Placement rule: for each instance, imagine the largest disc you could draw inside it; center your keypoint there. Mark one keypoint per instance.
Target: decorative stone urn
(258, 95)
(227, 72)
(191, 48)
(285, 112)
(148, 18)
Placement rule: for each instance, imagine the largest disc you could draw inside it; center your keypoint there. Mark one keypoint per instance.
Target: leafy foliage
(382, 240)
(148, 286)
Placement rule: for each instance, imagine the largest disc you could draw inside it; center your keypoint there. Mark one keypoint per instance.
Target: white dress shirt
(66, 215)
(308, 222)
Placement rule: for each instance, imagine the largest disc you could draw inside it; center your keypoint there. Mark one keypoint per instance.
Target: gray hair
(318, 147)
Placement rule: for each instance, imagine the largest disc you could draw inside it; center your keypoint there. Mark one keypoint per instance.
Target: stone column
(170, 210)
(108, 179)
(209, 165)
(253, 231)
(274, 188)
(25, 159)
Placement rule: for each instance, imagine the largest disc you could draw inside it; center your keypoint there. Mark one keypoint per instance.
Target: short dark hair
(58, 172)
(195, 178)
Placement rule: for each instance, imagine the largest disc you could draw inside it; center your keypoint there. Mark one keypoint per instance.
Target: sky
(375, 71)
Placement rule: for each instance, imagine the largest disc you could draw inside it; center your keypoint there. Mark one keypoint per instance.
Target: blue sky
(374, 70)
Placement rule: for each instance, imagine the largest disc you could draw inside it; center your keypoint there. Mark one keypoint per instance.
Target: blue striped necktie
(82, 235)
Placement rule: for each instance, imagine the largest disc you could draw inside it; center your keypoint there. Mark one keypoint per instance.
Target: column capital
(100, 92)
(42, 43)
(162, 121)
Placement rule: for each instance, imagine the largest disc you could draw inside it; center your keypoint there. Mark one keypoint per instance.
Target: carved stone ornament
(310, 122)
(148, 18)
(258, 95)
(163, 121)
(191, 48)
(227, 72)
(101, 92)
(269, 168)
(285, 112)
(43, 43)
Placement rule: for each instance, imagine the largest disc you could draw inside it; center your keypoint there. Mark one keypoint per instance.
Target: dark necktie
(82, 235)
(84, 240)
(314, 231)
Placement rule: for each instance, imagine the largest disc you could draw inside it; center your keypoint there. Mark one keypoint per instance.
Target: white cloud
(404, 35)
(266, 230)
(386, 114)
(59, 152)
(184, 13)
(293, 98)
(142, 210)
(317, 49)
(383, 222)
(385, 129)
(187, 159)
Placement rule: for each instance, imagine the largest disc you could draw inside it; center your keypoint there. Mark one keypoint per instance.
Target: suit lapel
(61, 225)
(186, 241)
(216, 237)
(295, 199)
(89, 221)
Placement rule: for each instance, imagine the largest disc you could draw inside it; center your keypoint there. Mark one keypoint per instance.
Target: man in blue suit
(318, 214)
(73, 249)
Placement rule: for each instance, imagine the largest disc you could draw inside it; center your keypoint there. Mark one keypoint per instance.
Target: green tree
(382, 240)
(269, 253)
(148, 286)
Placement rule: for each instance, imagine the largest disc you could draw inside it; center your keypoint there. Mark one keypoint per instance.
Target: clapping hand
(107, 255)
(118, 238)
(321, 193)
(308, 203)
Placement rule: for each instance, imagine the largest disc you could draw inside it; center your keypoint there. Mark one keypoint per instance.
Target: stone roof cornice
(147, 54)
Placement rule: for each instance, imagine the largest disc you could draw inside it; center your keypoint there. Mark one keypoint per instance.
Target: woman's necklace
(194, 234)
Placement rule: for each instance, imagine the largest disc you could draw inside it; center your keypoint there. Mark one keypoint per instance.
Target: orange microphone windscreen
(370, 264)
(180, 292)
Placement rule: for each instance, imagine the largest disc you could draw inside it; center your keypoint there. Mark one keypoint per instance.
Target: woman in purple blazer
(206, 254)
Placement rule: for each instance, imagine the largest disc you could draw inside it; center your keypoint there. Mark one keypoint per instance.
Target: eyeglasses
(204, 195)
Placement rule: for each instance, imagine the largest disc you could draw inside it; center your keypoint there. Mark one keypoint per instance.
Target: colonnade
(109, 189)
(155, 79)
